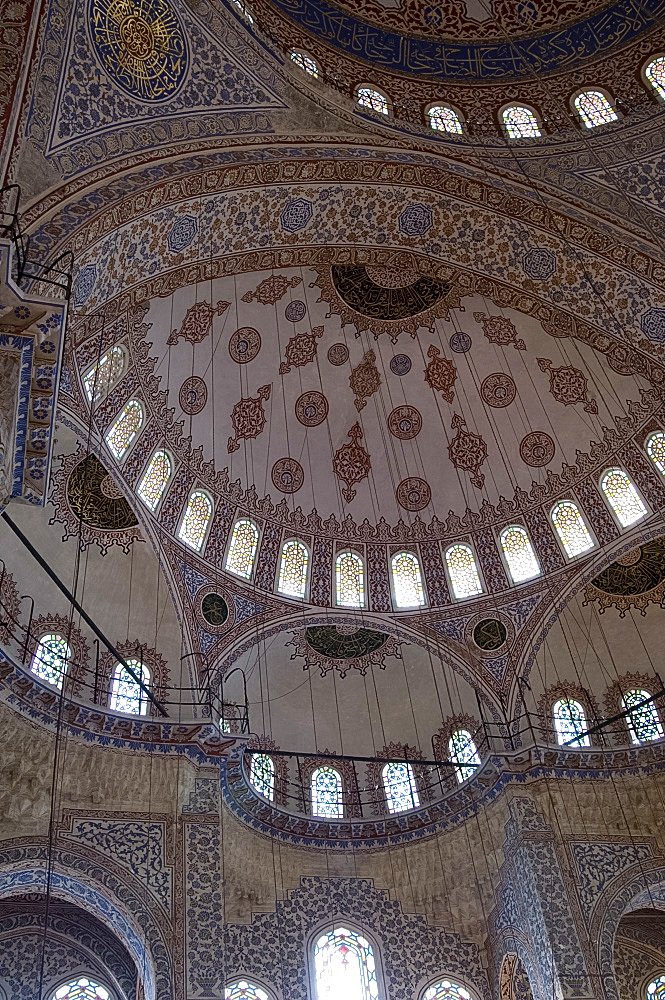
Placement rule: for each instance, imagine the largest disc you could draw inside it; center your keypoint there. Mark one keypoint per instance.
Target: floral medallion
(440, 374)
(568, 385)
(467, 451)
(338, 354)
(536, 449)
(351, 462)
(193, 395)
(287, 475)
(500, 330)
(295, 311)
(311, 408)
(365, 379)
(197, 323)
(244, 344)
(248, 418)
(413, 494)
(300, 350)
(405, 422)
(498, 390)
(271, 290)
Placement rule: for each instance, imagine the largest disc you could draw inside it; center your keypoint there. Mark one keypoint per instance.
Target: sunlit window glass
(345, 967)
(407, 581)
(463, 753)
(570, 528)
(194, 525)
(519, 553)
(126, 694)
(243, 10)
(520, 123)
(643, 721)
(624, 499)
(51, 659)
(656, 450)
(244, 990)
(82, 988)
(656, 989)
(655, 74)
(100, 379)
(125, 428)
(350, 580)
(446, 990)
(594, 109)
(305, 62)
(570, 723)
(463, 572)
(399, 784)
(242, 550)
(155, 480)
(293, 569)
(372, 99)
(327, 793)
(444, 119)
(262, 774)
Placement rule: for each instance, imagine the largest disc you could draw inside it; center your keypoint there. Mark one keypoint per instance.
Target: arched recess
(514, 982)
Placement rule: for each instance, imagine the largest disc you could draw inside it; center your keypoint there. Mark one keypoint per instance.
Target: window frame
(592, 534)
(528, 579)
(201, 549)
(144, 471)
(364, 85)
(458, 767)
(262, 753)
(69, 659)
(660, 98)
(553, 717)
(227, 549)
(615, 517)
(144, 701)
(483, 586)
(92, 402)
(137, 434)
(591, 89)
(323, 766)
(629, 721)
(413, 785)
(426, 984)
(445, 104)
(350, 607)
(393, 592)
(660, 473)
(309, 55)
(503, 127)
(285, 542)
(99, 980)
(254, 980)
(336, 922)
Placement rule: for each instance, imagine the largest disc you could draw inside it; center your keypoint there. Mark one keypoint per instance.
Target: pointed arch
(654, 74)
(446, 989)
(443, 118)
(244, 989)
(350, 580)
(345, 965)
(463, 752)
(327, 793)
(570, 723)
(462, 570)
(51, 658)
(105, 373)
(195, 522)
(407, 580)
(122, 432)
(571, 528)
(655, 448)
(242, 548)
(126, 694)
(81, 988)
(399, 785)
(643, 720)
(625, 502)
(305, 62)
(155, 479)
(518, 551)
(293, 569)
(262, 775)
(373, 100)
(520, 122)
(594, 108)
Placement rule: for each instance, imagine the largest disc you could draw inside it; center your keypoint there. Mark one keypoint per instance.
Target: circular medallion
(244, 344)
(110, 489)
(489, 634)
(413, 494)
(537, 448)
(630, 558)
(405, 422)
(460, 343)
(311, 408)
(295, 311)
(287, 475)
(338, 354)
(400, 364)
(193, 395)
(141, 46)
(498, 390)
(215, 612)
(214, 609)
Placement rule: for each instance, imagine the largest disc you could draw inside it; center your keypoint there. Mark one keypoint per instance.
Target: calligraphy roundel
(244, 344)
(287, 475)
(311, 408)
(413, 494)
(140, 45)
(405, 422)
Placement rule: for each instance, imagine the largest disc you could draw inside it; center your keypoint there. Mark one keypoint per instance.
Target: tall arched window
(407, 581)
(594, 108)
(262, 775)
(82, 988)
(656, 989)
(51, 659)
(623, 498)
(446, 990)
(399, 785)
(345, 967)
(570, 722)
(656, 450)
(327, 793)
(570, 528)
(293, 569)
(100, 379)
(520, 122)
(444, 119)
(244, 990)
(463, 572)
(305, 62)
(242, 550)
(350, 580)
(463, 753)
(643, 722)
(518, 550)
(126, 695)
(124, 428)
(196, 519)
(155, 480)
(655, 74)
(373, 100)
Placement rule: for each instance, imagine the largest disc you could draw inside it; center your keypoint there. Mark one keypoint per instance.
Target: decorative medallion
(653, 324)
(539, 263)
(244, 344)
(489, 634)
(193, 395)
(635, 580)
(295, 311)
(405, 422)
(272, 289)
(338, 354)
(343, 648)
(215, 611)
(197, 323)
(460, 343)
(296, 215)
(364, 379)
(351, 462)
(300, 350)
(467, 451)
(413, 494)
(182, 233)
(568, 385)
(536, 449)
(500, 330)
(287, 475)
(498, 390)
(311, 408)
(440, 374)
(248, 418)
(415, 220)
(400, 364)
(141, 46)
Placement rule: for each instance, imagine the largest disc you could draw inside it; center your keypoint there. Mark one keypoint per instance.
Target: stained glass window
(644, 722)
(518, 550)
(570, 722)
(293, 569)
(262, 774)
(399, 783)
(594, 109)
(327, 793)
(240, 558)
(194, 525)
(100, 379)
(656, 989)
(372, 99)
(520, 122)
(445, 990)
(154, 482)
(570, 528)
(81, 989)
(305, 62)
(126, 695)
(463, 572)
(656, 450)
(345, 967)
(244, 990)
(243, 10)
(444, 119)
(350, 578)
(407, 580)
(462, 752)
(51, 659)
(624, 499)
(655, 74)
(125, 428)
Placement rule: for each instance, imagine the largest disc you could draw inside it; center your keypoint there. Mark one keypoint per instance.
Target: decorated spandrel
(656, 450)
(242, 550)
(350, 580)
(327, 793)
(444, 119)
(407, 581)
(125, 428)
(154, 482)
(305, 62)
(262, 775)
(594, 109)
(293, 569)
(655, 74)
(446, 990)
(372, 99)
(126, 694)
(520, 123)
(345, 967)
(81, 989)
(463, 753)
(100, 379)
(399, 784)
(643, 722)
(570, 723)
(51, 659)
(244, 990)
(571, 529)
(463, 572)
(194, 525)
(624, 499)
(518, 550)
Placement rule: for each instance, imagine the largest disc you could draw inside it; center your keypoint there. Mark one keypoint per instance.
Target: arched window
(51, 659)
(305, 62)
(244, 990)
(656, 989)
(407, 582)
(463, 753)
(518, 550)
(446, 990)
(327, 793)
(444, 119)
(155, 480)
(125, 428)
(100, 379)
(655, 74)
(520, 122)
(293, 569)
(570, 722)
(345, 967)
(656, 450)
(399, 784)
(463, 572)
(126, 695)
(374, 100)
(82, 988)
(594, 108)
(195, 521)
(570, 528)
(242, 550)
(350, 580)
(623, 498)
(243, 10)
(643, 722)
(262, 775)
